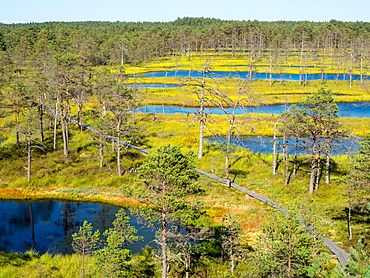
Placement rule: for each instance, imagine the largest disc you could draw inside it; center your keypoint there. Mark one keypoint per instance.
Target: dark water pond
(259, 144)
(255, 75)
(348, 109)
(47, 226)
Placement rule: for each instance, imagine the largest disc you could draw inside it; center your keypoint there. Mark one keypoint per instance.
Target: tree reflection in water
(47, 226)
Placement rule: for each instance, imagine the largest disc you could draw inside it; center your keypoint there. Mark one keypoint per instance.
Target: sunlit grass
(79, 177)
(29, 264)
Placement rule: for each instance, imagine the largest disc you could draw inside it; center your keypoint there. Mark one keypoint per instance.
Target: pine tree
(230, 235)
(169, 178)
(113, 260)
(316, 124)
(85, 242)
(285, 249)
(358, 264)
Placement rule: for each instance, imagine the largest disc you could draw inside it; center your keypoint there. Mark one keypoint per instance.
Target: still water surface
(347, 109)
(260, 144)
(47, 226)
(254, 75)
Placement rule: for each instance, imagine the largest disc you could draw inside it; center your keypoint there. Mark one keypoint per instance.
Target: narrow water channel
(256, 75)
(346, 109)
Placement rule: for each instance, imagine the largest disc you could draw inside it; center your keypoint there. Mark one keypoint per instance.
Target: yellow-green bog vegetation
(46, 155)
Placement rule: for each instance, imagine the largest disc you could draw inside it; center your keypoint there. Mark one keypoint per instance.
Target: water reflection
(47, 226)
(259, 144)
(255, 75)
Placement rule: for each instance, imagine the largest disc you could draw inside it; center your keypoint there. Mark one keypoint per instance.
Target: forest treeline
(112, 43)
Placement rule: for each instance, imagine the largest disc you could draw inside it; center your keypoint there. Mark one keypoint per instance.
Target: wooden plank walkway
(341, 255)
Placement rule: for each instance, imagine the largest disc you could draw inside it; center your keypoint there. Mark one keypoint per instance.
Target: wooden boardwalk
(341, 255)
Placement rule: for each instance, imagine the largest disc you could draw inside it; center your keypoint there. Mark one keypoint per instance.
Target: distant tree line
(111, 43)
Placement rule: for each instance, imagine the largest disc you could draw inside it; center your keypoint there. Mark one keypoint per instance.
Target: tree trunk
(315, 164)
(28, 157)
(251, 65)
(201, 128)
(295, 156)
(312, 175)
(79, 118)
(119, 171)
(227, 165)
(65, 135)
(318, 172)
(164, 246)
(187, 267)
(300, 64)
(41, 121)
(270, 67)
(286, 161)
(327, 168)
(122, 52)
(227, 154)
(274, 152)
(232, 259)
(55, 125)
(101, 151)
(83, 264)
(17, 128)
(349, 224)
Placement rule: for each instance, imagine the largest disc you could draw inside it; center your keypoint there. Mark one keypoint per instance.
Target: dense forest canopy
(104, 42)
